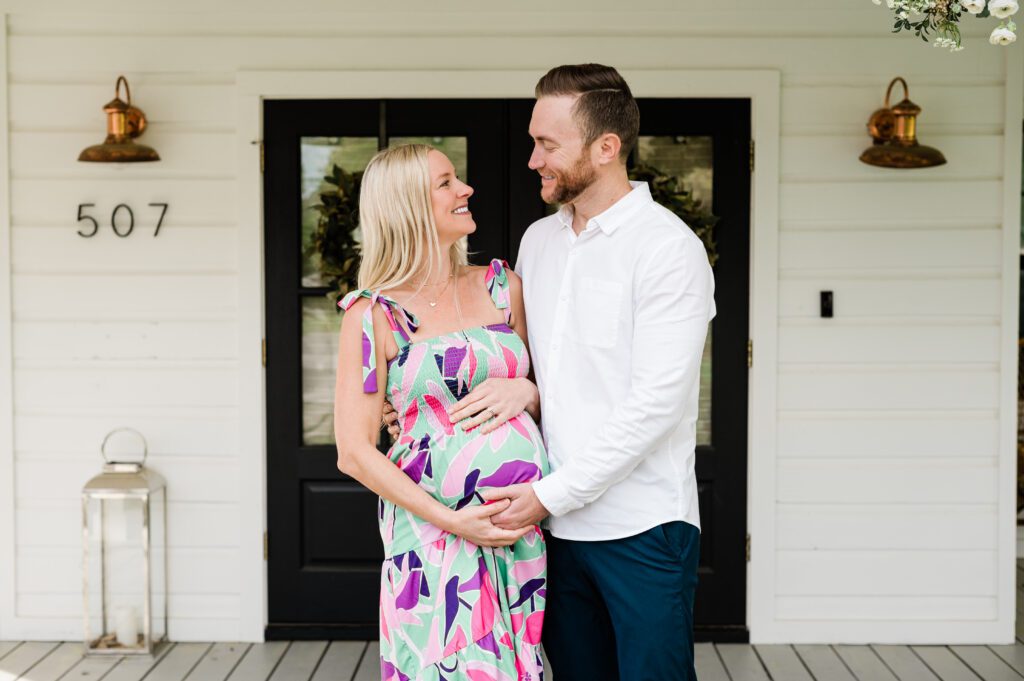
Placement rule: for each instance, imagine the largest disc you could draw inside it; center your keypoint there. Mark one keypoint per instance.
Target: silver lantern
(124, 558)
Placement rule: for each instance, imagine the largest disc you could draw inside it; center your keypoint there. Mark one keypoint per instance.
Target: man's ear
(608, 147)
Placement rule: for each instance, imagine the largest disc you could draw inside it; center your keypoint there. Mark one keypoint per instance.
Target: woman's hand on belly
(494, 402)
(473, 523)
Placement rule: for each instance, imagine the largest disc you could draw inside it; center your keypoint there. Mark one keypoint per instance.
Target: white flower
(877, 2)
(973, 6)
(1003, 8)
(1002, 36)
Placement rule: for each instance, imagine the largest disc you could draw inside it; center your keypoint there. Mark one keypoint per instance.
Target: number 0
(131, 220)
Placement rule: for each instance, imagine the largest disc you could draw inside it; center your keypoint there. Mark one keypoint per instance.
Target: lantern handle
(127, 90)
(906, 90)
(145, 445)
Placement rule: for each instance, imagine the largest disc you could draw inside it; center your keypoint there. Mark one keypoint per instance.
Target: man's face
(564, 166)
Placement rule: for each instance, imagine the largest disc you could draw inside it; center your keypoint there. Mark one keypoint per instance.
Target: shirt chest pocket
(597, 309)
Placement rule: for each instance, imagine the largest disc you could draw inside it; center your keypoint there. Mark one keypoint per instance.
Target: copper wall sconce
(124, 123)
(894, 131)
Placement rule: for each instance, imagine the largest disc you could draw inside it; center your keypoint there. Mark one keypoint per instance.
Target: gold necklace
(433, 303)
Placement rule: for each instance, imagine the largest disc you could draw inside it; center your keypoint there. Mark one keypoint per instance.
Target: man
(618, 294)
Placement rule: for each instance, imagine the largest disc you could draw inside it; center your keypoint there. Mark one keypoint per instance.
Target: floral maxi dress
(449, 609)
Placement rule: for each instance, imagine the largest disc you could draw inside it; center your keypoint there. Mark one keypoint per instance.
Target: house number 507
(122, 220)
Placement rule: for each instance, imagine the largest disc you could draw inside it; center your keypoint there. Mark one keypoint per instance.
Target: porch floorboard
(357, 661)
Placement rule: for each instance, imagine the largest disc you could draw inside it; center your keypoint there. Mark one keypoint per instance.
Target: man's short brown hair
(605, 102)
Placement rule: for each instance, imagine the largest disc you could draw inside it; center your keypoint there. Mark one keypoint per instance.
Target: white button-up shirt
(617, 320)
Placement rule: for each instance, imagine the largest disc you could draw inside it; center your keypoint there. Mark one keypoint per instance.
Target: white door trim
(761, 86)
(1006, 579)
(8, 596)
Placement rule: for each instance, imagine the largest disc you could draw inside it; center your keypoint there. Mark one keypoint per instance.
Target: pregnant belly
(510, 455)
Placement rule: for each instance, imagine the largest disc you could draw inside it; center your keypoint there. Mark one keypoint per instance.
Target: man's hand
(526, 509)
(389, 420)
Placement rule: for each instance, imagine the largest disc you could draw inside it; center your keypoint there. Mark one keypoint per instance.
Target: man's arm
(672, 307)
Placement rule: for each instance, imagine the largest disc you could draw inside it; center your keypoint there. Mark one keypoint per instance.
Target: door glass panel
(321, 323)
(452, 147)
(691, 160)
(688, 158)
(318, 157)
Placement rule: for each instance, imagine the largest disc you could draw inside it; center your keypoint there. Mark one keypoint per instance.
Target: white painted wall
(881, 486)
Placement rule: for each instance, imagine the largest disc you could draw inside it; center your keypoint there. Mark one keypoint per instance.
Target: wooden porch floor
(357, 661)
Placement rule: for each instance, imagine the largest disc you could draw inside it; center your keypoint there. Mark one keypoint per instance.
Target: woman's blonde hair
(399, 237)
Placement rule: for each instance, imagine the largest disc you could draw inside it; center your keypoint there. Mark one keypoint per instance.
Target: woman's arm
(357, 422)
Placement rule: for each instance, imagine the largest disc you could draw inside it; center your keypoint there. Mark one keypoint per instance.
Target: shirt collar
(617, 214)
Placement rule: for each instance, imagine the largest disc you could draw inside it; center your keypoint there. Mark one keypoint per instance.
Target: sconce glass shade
(124, 123)
(894, 134)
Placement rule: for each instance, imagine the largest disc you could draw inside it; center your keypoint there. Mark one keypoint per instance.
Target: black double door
(324, 550)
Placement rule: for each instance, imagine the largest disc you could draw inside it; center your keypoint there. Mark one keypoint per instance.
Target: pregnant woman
(460, 598)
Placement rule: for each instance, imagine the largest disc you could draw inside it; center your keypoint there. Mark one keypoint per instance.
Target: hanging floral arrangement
(938, 21)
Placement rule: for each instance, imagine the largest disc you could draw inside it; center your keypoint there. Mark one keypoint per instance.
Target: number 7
(162, 214)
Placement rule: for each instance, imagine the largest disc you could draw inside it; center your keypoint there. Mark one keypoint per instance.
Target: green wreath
(335, 239)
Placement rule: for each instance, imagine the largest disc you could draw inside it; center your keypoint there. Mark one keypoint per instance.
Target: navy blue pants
(622, 609)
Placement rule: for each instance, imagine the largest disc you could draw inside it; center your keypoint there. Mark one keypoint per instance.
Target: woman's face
(449, 197)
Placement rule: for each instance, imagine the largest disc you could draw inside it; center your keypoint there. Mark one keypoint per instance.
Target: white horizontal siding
(189, 570)
(196, 479)
(873, 609)
(205, 201)
(889, 414)
(124, 298)
(47, 522)
(886, 573)
(894, 386)
(177, 249)
(892, 294)
(905, 525)
(185, 431)
(925, 434)
(867, 482)
(31, 58)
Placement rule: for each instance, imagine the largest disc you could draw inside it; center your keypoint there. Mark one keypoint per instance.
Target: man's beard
(574, 182)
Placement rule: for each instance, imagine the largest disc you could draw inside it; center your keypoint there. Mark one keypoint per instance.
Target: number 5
(95, 225)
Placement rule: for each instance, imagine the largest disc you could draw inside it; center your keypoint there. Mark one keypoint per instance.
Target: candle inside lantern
(125, 628)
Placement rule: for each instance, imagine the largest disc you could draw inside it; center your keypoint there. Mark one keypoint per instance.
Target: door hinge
(266, 552)
(263, 350)
(263, 157)
(748, 548)
(751, 155)
(750, 353)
